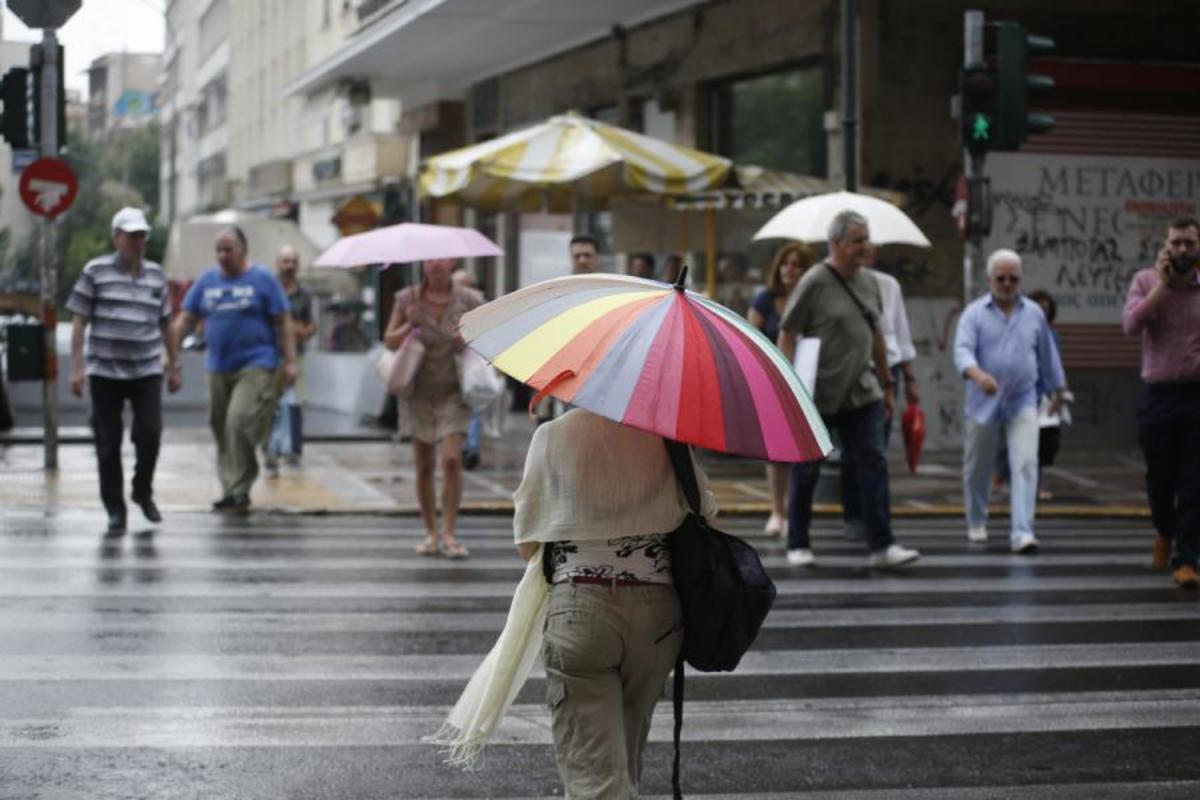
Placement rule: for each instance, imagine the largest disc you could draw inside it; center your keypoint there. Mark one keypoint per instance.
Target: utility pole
(972, 56)
(849, 95)
(49, 15)
(49, 149)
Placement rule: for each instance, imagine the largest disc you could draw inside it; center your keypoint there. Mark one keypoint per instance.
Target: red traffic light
(977, 85)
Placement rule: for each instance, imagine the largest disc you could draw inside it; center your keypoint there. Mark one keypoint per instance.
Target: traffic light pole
(972, 167)
(49, 148)
(849, 95)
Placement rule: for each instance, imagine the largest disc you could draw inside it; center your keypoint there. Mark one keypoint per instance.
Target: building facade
(122, 91)
(193, 108)
(760, 81)
(309, 158)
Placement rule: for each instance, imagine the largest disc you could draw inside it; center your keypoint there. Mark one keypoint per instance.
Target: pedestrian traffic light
(978, 115)
(1014, 83)
(14, 95)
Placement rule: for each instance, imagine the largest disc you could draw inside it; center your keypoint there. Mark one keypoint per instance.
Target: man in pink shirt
(1163, 307)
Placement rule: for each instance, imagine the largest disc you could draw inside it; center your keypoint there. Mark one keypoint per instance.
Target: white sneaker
(800, 558)
(1026, 543)
(774, 526)
(977, 535)
(893, 556)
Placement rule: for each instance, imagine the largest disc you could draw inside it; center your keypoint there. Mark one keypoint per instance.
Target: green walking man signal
(981, 128)
(995, 96)
(977, 86)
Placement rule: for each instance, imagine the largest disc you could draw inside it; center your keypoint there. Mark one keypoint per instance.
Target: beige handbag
(398, 368)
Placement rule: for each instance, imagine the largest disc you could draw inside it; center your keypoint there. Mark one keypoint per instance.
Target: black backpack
(724, 592)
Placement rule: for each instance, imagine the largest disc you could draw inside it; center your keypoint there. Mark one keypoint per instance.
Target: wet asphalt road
(305, 657)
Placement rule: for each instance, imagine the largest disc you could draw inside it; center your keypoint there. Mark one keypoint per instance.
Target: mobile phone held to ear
(1183, 263)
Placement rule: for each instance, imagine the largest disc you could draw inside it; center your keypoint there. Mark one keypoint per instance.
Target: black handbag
(724, 591)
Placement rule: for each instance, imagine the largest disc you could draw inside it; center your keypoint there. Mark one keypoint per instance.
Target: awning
(425, 50)
(758, 188)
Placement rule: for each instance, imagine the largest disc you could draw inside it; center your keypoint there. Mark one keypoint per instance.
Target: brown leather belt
(608, 581)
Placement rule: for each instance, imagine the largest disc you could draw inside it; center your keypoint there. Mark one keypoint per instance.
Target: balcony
(358, 164)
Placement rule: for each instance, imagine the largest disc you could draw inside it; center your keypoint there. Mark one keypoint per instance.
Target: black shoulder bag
(724, 591)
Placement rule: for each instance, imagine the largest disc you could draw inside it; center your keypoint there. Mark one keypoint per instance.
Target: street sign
(48, 187)
(22, 158)
(44, 13)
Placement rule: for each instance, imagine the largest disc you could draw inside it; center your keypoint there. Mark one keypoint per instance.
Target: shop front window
(774, 121)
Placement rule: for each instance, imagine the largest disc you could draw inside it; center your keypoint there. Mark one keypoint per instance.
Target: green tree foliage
(116, 171)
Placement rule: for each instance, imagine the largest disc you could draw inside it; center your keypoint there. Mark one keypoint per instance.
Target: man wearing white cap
(122, 303)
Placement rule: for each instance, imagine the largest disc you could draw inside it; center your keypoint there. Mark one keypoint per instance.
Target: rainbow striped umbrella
(653, 356)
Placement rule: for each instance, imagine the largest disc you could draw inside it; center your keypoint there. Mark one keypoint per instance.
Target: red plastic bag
(913, 425)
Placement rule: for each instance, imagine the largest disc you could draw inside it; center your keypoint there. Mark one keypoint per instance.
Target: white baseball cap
(130, 220)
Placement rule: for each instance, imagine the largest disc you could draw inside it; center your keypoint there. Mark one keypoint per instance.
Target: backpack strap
(681, 461)
(676, 791)
(867, 315)
(548, 561)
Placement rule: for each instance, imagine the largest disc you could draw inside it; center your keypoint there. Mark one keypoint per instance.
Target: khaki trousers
(241, 406)
(607, 651)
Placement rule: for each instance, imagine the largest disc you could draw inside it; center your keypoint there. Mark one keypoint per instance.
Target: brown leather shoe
(1161, 553)
(1185, 576)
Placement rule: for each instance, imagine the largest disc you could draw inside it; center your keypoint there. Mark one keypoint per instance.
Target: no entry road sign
(48, 186)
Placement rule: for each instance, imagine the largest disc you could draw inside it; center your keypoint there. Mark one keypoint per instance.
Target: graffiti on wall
(933, 321)
(1084, 225)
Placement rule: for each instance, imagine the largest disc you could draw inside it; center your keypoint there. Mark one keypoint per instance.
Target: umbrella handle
(550, 386)
(681, 280)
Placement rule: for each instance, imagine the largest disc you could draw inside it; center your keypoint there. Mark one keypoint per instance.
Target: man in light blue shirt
(1003, 347)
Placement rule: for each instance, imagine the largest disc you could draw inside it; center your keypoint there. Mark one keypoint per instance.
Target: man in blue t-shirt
(249, 332)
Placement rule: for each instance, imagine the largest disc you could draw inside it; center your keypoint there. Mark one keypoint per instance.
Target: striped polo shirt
(125, 315)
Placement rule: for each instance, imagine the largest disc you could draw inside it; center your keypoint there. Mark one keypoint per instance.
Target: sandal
(429, 547)
(454, 549)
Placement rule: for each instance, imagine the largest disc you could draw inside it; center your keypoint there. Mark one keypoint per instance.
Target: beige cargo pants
(608, 652)
(241, 406)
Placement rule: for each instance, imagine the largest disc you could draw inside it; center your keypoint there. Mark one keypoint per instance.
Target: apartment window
(774, 120)
(214, 27)
(485, 106)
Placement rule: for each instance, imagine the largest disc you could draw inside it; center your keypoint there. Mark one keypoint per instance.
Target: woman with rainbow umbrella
(640, 361)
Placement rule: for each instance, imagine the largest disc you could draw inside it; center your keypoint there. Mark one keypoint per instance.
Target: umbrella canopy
(655, 357)
(408, 241)
(808, 220)
(567, 160)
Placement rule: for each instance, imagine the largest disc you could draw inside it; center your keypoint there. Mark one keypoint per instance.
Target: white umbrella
(808, 220)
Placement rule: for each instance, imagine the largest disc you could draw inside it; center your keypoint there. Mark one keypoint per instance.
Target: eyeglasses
(1006, 279)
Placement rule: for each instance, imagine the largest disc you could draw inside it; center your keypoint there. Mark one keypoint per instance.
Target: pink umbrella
(408, 241)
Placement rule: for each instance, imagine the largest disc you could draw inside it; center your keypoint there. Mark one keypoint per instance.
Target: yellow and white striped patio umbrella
(568, 159)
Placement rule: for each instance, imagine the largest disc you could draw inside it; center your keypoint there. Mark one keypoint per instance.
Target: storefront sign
(356, 215)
